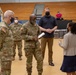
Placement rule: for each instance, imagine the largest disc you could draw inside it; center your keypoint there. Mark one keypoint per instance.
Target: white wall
(8, 1)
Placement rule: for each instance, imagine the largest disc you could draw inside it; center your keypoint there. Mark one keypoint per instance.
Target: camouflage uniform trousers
(6, 67)
(29, 52)
(19, 45)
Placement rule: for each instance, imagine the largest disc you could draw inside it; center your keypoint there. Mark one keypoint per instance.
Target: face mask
(12, 19)
(33, 22)
(16, 21)
(47, 13)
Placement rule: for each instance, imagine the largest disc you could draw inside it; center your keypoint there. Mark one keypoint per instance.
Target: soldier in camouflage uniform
(15, 27)
(30, 32)
(6, 43)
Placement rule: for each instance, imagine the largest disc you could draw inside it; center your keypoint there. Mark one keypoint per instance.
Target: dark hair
(73, 28)
(69, 25)
(32, 17)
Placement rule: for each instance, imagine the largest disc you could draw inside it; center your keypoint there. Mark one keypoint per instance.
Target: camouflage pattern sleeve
(28, 37)
(0, 42)
(39, 31)
(24, 33)
(2, 35)
(11, 26)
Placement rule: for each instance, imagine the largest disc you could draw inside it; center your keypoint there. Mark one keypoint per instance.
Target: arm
(42, 29)
(24, 33)
(47, 30)
(39, 30)
(55, 25)
(64, 44)
(54, 28)
(40, 25)
(2, 36)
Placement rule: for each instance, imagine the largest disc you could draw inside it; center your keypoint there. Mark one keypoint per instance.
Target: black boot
(51, 64)
(29, 73)
(13, 58)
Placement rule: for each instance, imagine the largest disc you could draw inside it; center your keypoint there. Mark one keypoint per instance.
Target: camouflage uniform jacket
(6, 42)
(16, 31)
(28, 32)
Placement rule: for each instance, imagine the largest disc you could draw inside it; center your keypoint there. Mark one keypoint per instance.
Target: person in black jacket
(48, 25)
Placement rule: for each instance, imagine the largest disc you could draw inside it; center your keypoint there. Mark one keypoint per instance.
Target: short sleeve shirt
(48, 22)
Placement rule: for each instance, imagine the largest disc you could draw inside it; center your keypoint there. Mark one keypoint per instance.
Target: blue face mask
(12, 19)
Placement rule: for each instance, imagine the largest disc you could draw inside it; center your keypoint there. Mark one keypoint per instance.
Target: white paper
(42, 34)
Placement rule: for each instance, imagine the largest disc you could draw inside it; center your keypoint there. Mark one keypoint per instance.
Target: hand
(49, 30)
(59, 42)
(3, 29)
(35, 38)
